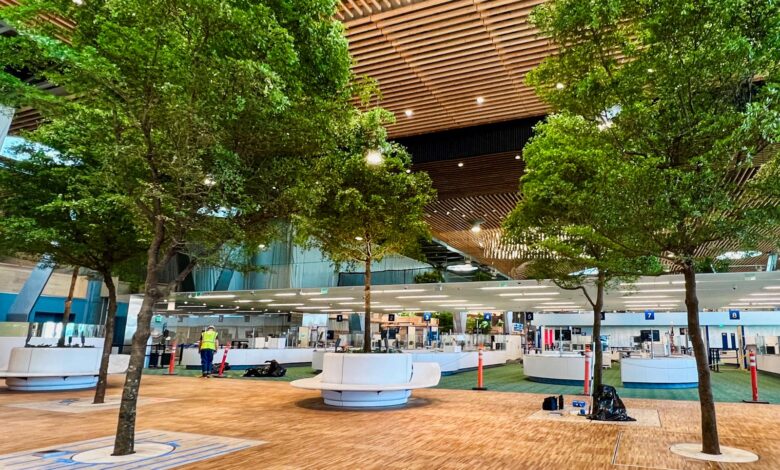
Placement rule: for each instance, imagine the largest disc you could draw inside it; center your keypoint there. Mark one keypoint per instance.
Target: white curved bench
(370, 380)
(44, 369)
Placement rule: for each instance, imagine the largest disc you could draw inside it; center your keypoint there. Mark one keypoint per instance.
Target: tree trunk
(709, 425)
(598, 356)
(124, 442)
(367, 307)
(108, 341)
(68, 305)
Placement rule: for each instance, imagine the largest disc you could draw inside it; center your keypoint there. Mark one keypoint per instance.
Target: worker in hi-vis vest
(208, 345)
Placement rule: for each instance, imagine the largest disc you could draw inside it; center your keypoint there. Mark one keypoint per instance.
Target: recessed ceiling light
(517, 157)
(650, 71)
(480, 100)
(359, 239)
(560, 86)
(422, 296)
(395, 291)
(323, 299)
(460, 164)
(285, 305)
(408, 170)
(409, 113)
(215, 296)
(653, 290)
(514, 287)
(286, 294)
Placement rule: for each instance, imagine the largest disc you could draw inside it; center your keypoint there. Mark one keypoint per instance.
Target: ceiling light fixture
(360, 239)
(328, 299)
(559, 86)
(216, 296)
(480, 100)
(374, 157)
(460, 164)
(422, 296)
(409, 113)
(462, 268)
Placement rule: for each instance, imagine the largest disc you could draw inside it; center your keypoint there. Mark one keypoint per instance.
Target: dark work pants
(206, 360)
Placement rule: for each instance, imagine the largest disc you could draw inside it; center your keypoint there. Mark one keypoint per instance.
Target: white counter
(449, 362)
(659, 372)
(244, 358)
(453, 362)
(563, 369)
(768, 363)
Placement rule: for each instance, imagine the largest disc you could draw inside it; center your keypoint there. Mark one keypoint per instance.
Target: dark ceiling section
(487, 174)
(476, 173)
(475, 141)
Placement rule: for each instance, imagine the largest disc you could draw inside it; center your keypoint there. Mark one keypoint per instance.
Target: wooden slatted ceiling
(436, 57)
(489, 174)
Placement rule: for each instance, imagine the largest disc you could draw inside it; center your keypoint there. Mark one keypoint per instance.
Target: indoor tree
(367, 203)
(558, 220)
(211, 109)
(686, 95)
(55, 207)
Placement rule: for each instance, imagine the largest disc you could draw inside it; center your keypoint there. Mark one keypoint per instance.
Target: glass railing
(49, 333)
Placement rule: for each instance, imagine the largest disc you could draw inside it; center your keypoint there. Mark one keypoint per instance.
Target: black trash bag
(273, 369)
(269, 369)
(607, 405)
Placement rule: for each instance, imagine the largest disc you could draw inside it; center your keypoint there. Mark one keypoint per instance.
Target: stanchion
(222, 364)
(586, 391)
(172, 362)
(754, 380)
(480, 385)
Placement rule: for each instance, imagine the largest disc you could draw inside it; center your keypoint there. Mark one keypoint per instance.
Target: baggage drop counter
(659, 372)
(246, 358)
(556, 368)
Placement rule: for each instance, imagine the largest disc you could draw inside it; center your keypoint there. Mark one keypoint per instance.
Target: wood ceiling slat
(446, 54)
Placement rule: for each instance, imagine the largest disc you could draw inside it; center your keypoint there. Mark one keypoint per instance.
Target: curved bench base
(42, 384)
(366, 399)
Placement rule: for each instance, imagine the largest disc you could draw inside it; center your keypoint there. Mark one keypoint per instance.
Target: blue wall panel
(46, 306)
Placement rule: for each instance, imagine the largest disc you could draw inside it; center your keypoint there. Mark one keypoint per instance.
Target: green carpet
(293, 373)
(729, 385)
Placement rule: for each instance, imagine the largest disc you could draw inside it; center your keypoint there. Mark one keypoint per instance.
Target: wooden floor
(440, 429)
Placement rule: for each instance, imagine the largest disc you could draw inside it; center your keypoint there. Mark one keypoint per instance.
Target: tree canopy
(203, 113)
(684, 97)
(367, 203)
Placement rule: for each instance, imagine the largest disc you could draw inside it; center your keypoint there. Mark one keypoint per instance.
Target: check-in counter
(659, 372)
(245, 358)
(556, 368)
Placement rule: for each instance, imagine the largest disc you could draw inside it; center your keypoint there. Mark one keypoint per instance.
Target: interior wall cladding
(470, 141)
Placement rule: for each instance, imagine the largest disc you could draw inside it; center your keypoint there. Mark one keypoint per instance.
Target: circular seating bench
(370, 380)
(44, 369)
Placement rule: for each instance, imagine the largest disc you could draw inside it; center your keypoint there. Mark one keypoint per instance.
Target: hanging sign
(649, 314)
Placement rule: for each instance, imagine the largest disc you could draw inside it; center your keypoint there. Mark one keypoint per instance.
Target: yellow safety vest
(208, 340)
